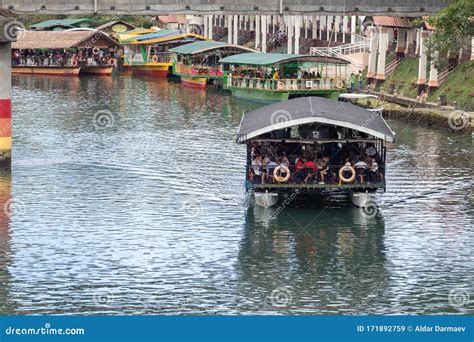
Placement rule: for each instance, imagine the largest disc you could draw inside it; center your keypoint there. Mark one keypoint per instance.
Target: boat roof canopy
(160, 36)
(63, 39)
(308, 110)
(202, 46)
(266, 59)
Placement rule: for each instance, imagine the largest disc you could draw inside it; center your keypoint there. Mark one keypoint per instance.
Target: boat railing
(321, 174)
(288, 84)
(161, 57)
(198, 70)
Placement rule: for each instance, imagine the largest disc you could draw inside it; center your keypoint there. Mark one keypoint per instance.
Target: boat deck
(317, 186)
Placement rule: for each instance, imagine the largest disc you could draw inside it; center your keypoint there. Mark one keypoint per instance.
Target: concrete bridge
(412, 8)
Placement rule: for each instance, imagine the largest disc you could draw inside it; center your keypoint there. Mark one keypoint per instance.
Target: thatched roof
(62, 40)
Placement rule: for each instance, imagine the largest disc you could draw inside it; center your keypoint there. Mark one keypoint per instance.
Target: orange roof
(391, 21)
(166, 19)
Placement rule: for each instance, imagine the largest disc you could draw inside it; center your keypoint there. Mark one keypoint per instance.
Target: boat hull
(259, 96)
(49, 71)
(362, 199)
(266, 199)
(199, 83)
(105, 70)
(162, 70)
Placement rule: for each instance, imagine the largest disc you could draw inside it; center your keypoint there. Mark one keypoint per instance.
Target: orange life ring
(154, 59)
(339, 84)
(73, 62)
(280, 85)
(279, 178)
(95, 51)
(347, 168)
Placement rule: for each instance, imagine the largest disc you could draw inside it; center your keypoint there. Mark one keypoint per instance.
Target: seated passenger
(373, 169)
(257, 167)
(370, 150)
(361, 169)
(311, 169)
(299, 170)
(270, 166)
(324, 170)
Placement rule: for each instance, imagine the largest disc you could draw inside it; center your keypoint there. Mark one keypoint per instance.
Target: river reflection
(144, 213)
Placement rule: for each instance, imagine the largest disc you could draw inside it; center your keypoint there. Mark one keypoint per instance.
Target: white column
(433, 82)
(257, 33)
(206, 26)
(236, 30)
(297, 23)
(472, 48)
(321, 26)
(418, 42)
(264, 33)
(274, 23)
(252, 24)
(345, 22)
(373, 52)
(314, 21)
(229, 28)
(422, 61)
(211, 24)
(329, 26)
(401, 42)
(383, 41)
(353, 28)
(290, 34)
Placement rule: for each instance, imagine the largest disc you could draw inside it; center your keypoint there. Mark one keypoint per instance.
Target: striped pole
(5, 103)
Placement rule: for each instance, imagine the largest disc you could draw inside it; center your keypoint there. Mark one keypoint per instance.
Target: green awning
(197, 47)
(266, 59)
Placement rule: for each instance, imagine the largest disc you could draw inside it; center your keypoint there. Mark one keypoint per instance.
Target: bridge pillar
(337, 26)
(345, 22)
(401, 42)
(229, 29)
(289, 25)
(264, 33)
(297, 23)
(206, 23)
(422, 63)
(257, 33)
(320, 18)
(353, 28)
(236, 30)
(409, 50)
(5, 92)
(372, 53)
(210, 26)
(418, 42)
(472, 48)
(383, 41)
(433, 83)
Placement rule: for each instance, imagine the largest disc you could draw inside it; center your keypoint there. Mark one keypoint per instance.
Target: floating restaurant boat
(271, 77)
(63, 53)
(312, 145)
(198, 63)
(148, 54)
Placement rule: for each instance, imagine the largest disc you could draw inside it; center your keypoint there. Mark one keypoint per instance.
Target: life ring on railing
(339, 84)
(280, 85)
(95, 51)
(154, 59)
(279, 178)
(347, 168)
(73, 62)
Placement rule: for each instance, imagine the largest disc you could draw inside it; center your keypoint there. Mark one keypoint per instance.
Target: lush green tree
(454, 25)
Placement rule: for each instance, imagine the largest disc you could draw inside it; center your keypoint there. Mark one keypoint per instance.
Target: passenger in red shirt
(311, 169)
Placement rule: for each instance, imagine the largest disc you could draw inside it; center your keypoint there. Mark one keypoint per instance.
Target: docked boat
(148, 54)
(197, 63)
(312, 145)
(270, 77)
(63, 53)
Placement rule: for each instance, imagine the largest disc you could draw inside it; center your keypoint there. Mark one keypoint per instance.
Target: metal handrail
(289, 84)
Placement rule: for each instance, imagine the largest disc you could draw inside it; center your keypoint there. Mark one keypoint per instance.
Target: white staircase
(361, 44)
